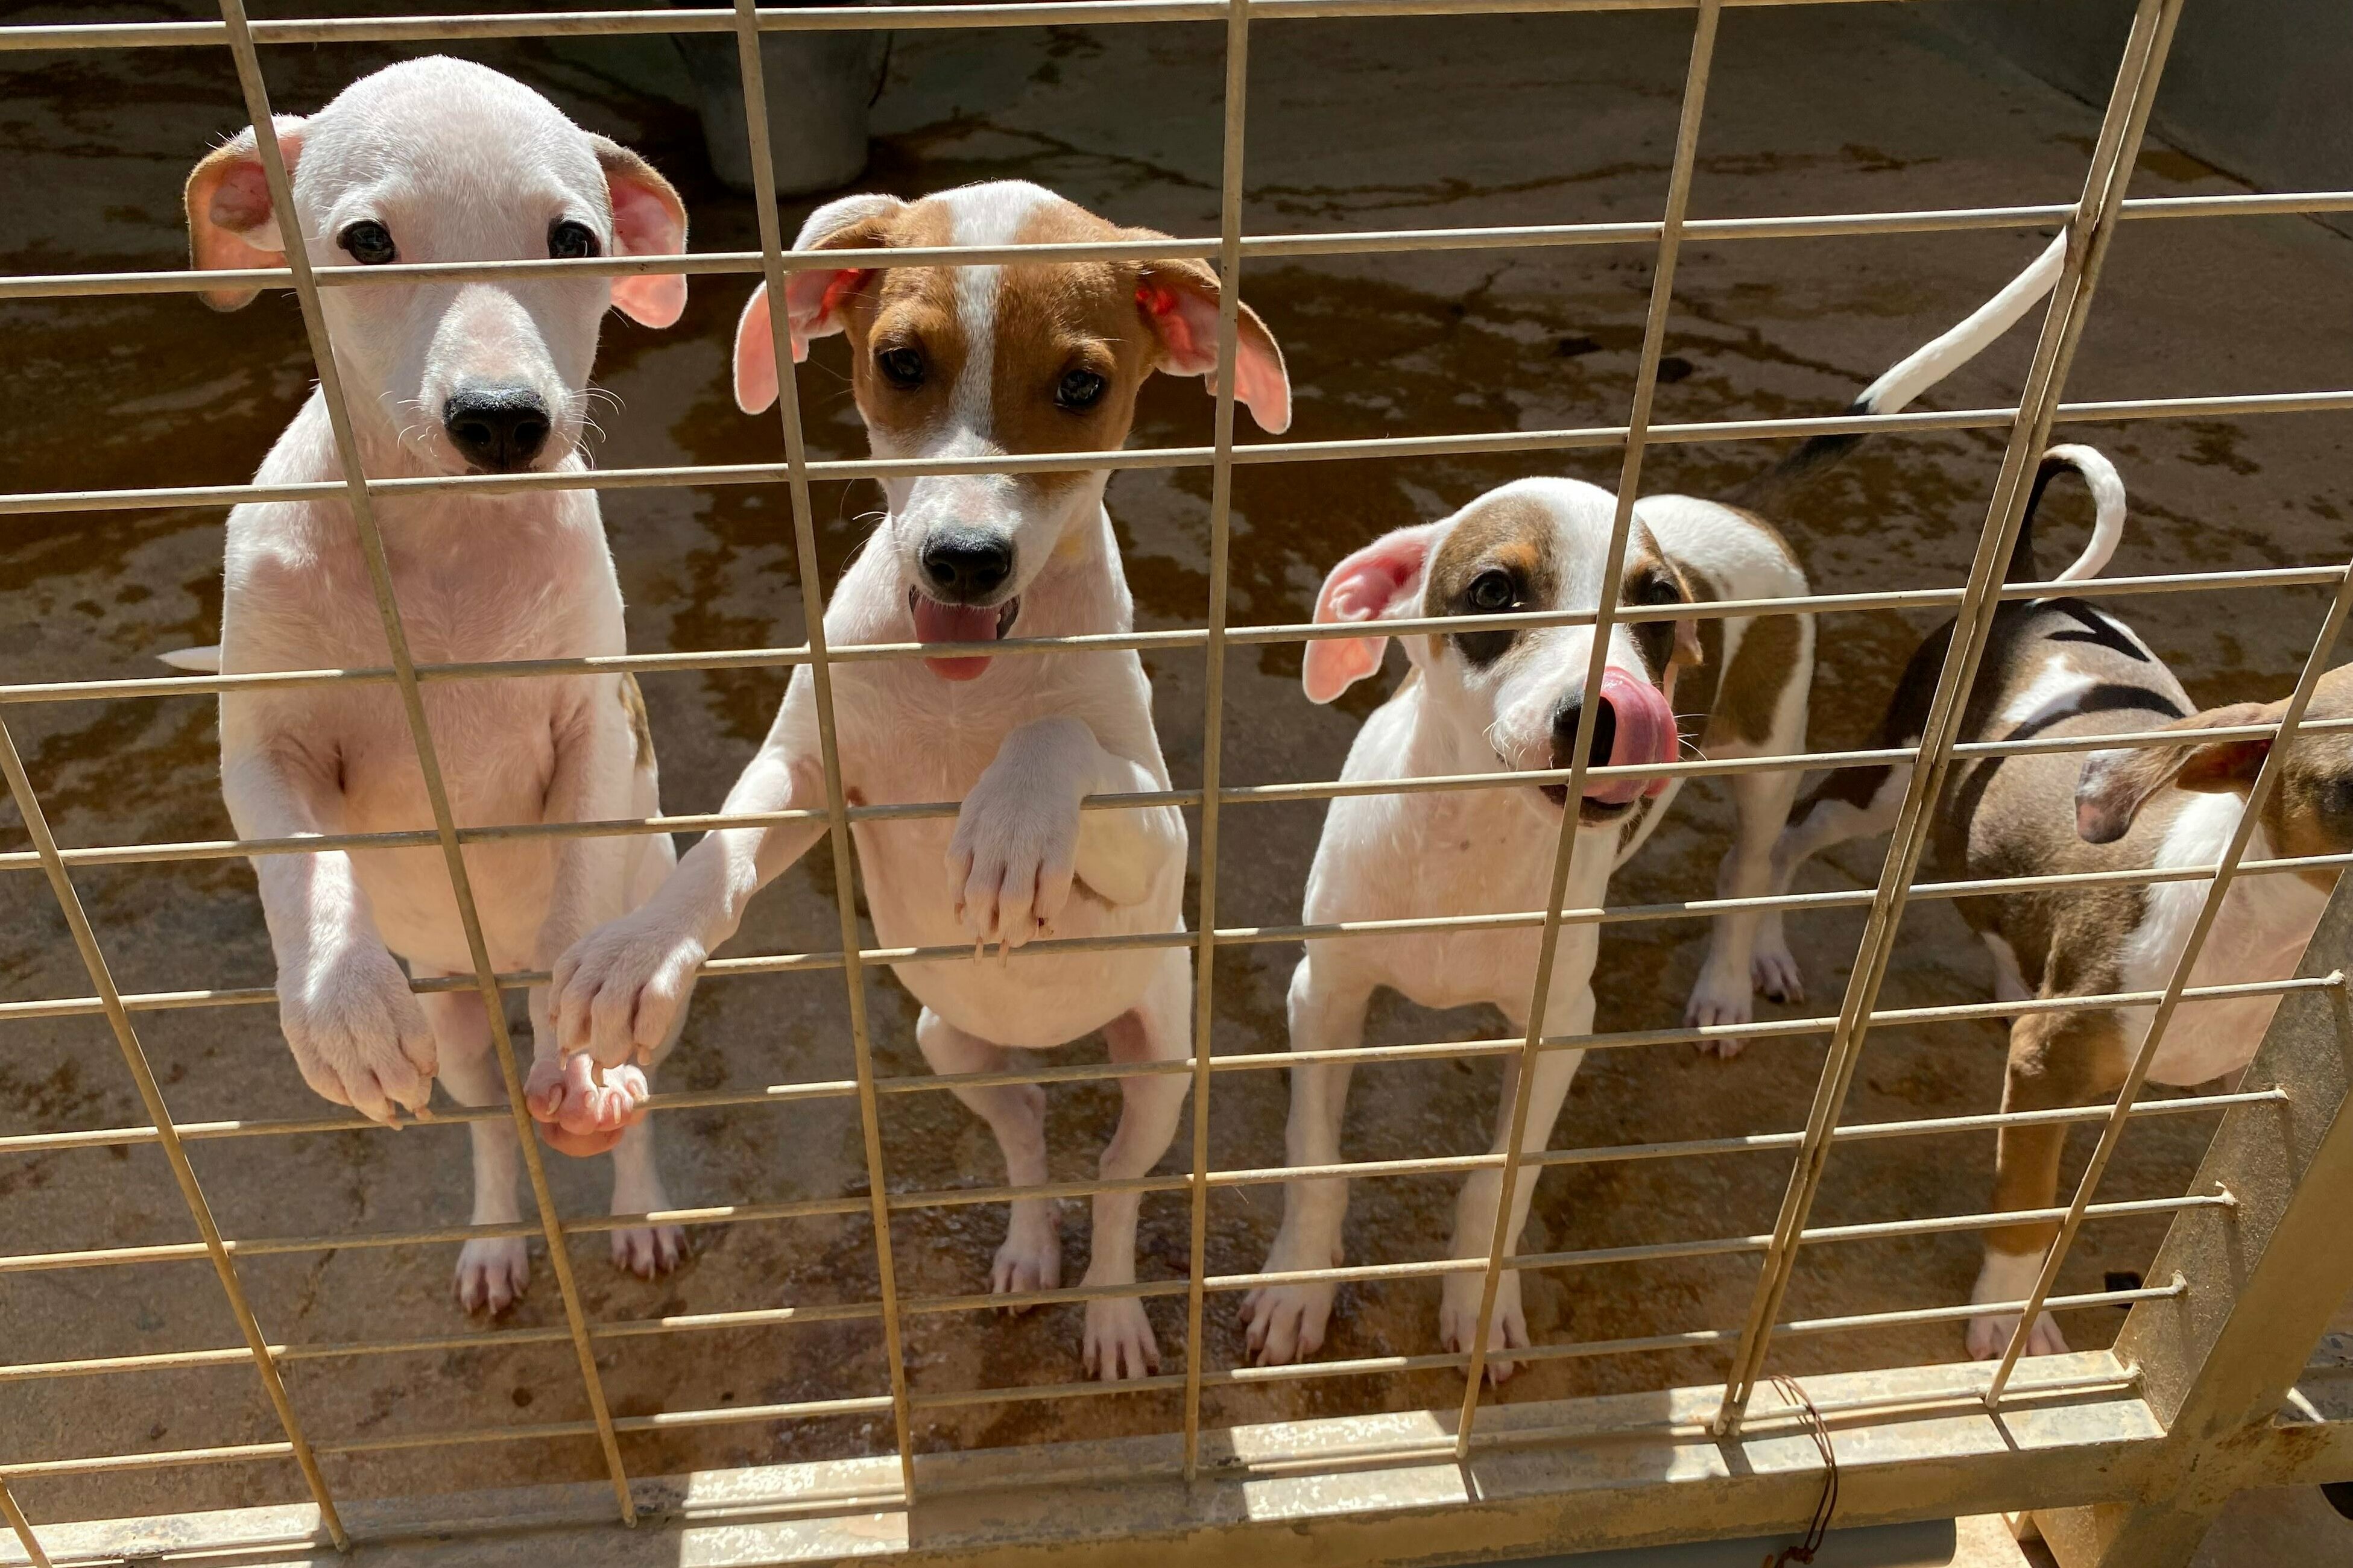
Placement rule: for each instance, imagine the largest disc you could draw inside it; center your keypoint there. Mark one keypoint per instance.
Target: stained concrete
(1353, 125)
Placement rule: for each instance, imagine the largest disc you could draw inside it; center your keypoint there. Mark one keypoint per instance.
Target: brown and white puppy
(2065, 667)
(1476, 700)
(977, 363)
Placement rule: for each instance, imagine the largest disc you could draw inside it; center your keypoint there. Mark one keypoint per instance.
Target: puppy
(977, 362)
(2065, 667)
(1474, 699)
(439, 160)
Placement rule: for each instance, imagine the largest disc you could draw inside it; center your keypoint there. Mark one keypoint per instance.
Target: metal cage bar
(812, 581)
(1646, 384)
(2113, 157)
(363, 509)
(1234, 110)
(183, 1174)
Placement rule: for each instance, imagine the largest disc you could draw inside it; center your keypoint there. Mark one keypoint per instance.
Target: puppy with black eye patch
(978, 362)
(2065, 667)
(1479, 701)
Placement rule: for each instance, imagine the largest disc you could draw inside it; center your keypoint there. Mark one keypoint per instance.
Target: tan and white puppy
(440, 160)
(2064, 666)
(977, 362)
(1473, 699)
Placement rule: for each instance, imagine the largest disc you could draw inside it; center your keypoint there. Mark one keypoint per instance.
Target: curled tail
(1929, 364)
(2107, 488)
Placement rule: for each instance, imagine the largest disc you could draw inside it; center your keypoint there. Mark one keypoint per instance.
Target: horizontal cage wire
(892, 1306)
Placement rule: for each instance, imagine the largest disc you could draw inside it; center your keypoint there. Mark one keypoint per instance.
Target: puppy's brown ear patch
(648, 220)
(232, 223)
(2115, 785)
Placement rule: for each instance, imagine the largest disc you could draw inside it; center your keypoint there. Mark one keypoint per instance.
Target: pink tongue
(935, 622)
(1645, 734)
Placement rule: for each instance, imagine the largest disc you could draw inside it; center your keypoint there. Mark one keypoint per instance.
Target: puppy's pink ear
(1382, 580)
(815, 298)
(231, 223)
(2114, 785)
(648, 220)
(1179, 301)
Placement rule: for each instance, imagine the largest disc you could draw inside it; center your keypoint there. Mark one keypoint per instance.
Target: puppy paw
(1031, 1258)
(1458, 1321)
(1015, 853)
(615, 995)
(1773, 973)
(1119, 1343)
(357, 1033)
(580, 1108)
(1717, 1002)
(1284, 1324)
(492, 1273)
(1989, 1336)
(649, 1251)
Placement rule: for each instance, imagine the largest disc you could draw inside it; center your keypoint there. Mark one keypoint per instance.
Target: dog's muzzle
(498, 429)
(1633, 728)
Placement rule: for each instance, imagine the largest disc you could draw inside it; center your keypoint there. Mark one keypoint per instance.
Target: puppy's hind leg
(1031, 1258)
(491, 1270)
(1119, 1342)
(1286, 1323)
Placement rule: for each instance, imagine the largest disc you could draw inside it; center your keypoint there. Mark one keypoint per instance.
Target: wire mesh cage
(900, 1374)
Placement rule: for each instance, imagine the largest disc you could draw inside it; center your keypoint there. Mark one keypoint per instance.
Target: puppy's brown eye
(568, 240)
(369, 243)
(1493, 592)
(1080, 390)
(903, 368)
(1657, 591)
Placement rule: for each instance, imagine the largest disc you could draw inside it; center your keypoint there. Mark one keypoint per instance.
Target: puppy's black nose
(965, 566)
(500, 428)
(1563, 733)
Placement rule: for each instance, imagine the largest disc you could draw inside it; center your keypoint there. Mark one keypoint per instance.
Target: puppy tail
(195, 660)
(1927, 365)
(2107, 488)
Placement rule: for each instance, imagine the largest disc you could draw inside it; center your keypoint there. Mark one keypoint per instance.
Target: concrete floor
(1353, 125)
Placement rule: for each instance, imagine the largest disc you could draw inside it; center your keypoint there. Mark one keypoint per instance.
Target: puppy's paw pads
(1713, 1007)
(1030, 1260)
(492, 1273)
(1988, 1337)
(1457, 1322)
(1284, 1324)
(582, 1109)
(649, 1251)
(1119, 1343)
(1774, 977)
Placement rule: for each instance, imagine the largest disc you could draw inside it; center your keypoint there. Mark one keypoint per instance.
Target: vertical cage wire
(134, 1058)
(363, 507)
(1213, 722)
(1621, 525)
(836, 805)
(2210, 906)
(23, 1528)
(2089, 232)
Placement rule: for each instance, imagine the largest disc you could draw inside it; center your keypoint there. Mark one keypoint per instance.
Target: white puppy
(1475, 700)
(437, 160)
(974, 362)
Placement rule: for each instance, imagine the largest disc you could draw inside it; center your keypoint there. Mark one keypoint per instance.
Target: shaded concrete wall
(2261, 89)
